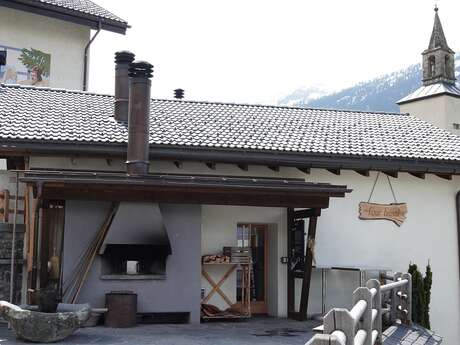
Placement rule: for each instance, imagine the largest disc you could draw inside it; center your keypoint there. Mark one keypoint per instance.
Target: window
(432, 63)
(456, 125)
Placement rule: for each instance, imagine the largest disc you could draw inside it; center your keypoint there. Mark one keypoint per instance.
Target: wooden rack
(216, 288)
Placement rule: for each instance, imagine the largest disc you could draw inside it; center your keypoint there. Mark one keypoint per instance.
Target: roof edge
(444, 93)
(252, 157)
(68, 15)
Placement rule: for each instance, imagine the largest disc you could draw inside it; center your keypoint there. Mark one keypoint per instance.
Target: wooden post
(377, 305)
(407, 301)
(395, 301)
(366, 324)
(339, 319)
(290, 274)
(308, 265)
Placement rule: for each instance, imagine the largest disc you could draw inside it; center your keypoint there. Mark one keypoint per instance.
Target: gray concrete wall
(180, 292)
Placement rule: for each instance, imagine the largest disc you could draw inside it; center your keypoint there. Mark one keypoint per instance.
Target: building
(149, 197)
(47, 43)
(438, 100)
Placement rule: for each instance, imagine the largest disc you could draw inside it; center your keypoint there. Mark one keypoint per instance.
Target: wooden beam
(306, 213)
(178, 164)
(363, 172)
(211, 165)
(274, 168)
(419, 175)
(243, 167)
(305, 170)
(308, 267)
(334, 171)
(445, 176)
(391, 173)
(187, 195)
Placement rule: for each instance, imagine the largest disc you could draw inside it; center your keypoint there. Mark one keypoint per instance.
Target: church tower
(438, 60)
(438, 100)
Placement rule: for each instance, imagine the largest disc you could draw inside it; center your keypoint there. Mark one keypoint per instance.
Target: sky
(257, 51)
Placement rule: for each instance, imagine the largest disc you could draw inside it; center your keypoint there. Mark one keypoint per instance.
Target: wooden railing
(362, 325)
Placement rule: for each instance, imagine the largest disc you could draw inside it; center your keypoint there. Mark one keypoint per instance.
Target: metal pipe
(391, 286)
(13, 240)
(358, 310)
(85, 58)
(137, 162)
(122, 61)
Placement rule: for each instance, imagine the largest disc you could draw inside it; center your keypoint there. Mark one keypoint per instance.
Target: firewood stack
(216, 259)
(209, 310)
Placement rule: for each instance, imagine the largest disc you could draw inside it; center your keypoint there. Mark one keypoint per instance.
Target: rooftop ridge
(108, 15)
(50, 89)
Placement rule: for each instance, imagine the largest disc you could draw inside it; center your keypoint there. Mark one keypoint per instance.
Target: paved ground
(414, 335)
(263, 331)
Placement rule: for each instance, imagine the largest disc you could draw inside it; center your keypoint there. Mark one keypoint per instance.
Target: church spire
(438, 59)
(438, 39)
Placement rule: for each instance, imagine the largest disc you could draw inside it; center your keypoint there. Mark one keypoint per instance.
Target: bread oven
(137, 244)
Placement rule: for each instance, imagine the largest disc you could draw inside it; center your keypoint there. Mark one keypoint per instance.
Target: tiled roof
(84, 9)
(431, 91)
(59, 116)
(83, 6)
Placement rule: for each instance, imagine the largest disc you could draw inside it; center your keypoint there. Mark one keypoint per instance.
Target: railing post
(363, 293)
(406, 302)
(377, 305)
(339, 319)
(395, 300)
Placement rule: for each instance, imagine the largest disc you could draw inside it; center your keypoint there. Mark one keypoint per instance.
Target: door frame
(260, 307)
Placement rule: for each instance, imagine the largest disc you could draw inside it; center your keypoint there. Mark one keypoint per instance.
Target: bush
(421, 295)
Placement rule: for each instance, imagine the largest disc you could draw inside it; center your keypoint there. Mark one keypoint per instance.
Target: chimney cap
(124, 56)
(140, 69)
(179, 93)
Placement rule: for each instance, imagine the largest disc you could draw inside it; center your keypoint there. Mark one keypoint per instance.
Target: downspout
(85, 59)
(457, 203)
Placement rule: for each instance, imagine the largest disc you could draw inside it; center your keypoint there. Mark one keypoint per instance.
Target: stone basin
(41, 327)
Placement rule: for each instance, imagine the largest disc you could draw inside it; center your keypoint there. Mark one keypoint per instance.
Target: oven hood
(137, 223)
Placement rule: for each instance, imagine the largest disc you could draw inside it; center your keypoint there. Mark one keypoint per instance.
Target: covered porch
(80, 194)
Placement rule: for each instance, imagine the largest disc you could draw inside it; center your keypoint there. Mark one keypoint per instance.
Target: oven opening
(134, 261)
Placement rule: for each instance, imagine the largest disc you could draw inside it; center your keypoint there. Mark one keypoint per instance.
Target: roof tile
(43, 114)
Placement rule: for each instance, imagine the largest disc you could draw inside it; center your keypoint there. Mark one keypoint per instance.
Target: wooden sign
(394, 212)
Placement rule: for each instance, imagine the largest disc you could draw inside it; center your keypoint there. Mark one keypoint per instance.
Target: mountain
(379, 94)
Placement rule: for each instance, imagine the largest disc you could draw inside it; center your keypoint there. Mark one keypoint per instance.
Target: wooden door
(255, 236)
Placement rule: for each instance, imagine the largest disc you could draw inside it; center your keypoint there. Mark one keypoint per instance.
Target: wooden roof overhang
(220, 190)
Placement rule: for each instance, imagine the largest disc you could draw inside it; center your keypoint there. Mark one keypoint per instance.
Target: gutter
(457, 204)
(271, 158)
(85, 58)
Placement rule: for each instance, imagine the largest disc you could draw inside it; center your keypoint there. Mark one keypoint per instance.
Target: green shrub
(421, 295)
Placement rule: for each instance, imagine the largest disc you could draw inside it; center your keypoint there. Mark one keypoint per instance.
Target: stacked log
(216, 259)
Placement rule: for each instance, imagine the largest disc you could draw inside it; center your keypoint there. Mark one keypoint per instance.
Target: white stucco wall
(441, 111)
(63, 40)
(429, 233)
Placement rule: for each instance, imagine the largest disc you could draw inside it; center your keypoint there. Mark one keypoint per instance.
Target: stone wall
(6, 236)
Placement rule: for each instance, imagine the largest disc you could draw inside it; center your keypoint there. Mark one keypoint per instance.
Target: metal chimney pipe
(122, 61)
(140, 73)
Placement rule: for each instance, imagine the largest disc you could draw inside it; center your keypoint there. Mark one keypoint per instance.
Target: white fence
(362, 325)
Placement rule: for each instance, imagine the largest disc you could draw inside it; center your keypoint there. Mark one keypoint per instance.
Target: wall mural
(25, 66)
